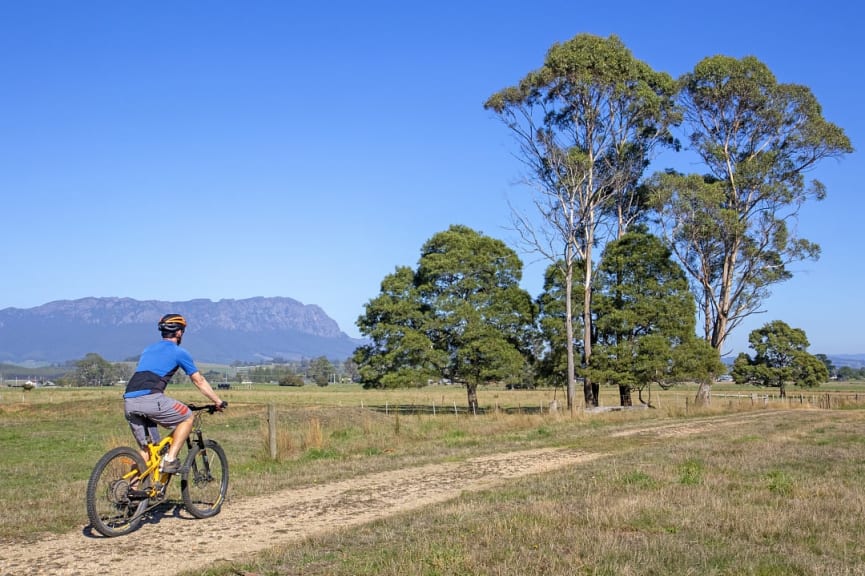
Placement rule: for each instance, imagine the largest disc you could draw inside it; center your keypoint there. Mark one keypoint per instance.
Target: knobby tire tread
(100, 493)
(196, 483)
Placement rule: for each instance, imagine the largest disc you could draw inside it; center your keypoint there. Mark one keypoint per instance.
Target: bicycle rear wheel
(204, 483)
(113, 507)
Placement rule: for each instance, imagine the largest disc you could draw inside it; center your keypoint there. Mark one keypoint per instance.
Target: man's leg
(179, 436)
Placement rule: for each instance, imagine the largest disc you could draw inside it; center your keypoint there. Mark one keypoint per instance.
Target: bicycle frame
(158, 449)
(156, 452)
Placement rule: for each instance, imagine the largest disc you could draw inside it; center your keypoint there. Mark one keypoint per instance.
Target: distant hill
(254, 329)
(852, 360)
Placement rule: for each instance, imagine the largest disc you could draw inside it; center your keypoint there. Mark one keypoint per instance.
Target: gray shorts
(144, 412)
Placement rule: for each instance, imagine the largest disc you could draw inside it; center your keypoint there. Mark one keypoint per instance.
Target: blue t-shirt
(157, 365)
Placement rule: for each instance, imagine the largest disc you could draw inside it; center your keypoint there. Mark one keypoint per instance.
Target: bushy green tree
(461, 316)
(780, 358)
(321, 370)
(291, 379)
(645, 319)
(830, 366)
(846, 373)
(94, 370)
(400, 352)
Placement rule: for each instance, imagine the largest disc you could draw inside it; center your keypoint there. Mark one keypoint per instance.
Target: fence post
(271, 429)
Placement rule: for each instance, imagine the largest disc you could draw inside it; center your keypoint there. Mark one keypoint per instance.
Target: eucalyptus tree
(645, 319)
(586, 123)
(552, 363)
(730, 228)
(781, 357)
(460, 316)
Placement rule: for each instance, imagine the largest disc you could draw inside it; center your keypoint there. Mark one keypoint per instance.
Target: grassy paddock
(780, 495)
(323, 434)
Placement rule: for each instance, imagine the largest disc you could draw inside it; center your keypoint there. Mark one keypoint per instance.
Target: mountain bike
(123, 488)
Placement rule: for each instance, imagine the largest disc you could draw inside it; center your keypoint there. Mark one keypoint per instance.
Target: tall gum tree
(730, 227)
(586, 123)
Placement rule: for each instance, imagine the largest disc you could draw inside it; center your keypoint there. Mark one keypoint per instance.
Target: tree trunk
(588, 393)
(704, 394)
(589, 390)
(569, 334)
(472, 390)
(625, 395)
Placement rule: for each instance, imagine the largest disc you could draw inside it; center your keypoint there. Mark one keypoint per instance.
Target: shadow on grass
(452, 410)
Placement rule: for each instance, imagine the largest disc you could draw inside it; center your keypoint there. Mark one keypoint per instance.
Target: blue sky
(180, 150)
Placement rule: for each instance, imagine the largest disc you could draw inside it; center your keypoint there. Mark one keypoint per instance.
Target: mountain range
(222, 332)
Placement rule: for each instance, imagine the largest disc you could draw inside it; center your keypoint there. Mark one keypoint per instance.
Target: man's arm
(204, 387)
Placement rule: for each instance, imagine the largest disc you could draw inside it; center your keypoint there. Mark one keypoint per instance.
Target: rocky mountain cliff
(254, 329)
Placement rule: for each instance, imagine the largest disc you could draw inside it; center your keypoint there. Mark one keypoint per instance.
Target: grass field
(782, 495)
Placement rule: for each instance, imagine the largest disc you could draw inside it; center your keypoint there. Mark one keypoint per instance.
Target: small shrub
(639, 479)
(321, 454)
(691, 473)
(780, 484)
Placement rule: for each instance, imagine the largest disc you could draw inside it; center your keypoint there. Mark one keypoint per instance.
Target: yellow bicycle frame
(156, 452)
(151, 467)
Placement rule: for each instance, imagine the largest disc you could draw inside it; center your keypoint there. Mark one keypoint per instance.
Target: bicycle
(123, 488)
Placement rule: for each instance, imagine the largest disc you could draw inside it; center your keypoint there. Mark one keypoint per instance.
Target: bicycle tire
(204, 482)
(109, 507)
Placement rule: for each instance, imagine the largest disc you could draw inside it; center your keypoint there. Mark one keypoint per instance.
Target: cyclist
(145, 401)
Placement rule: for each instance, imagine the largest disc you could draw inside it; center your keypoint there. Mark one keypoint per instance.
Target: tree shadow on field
(445, 409)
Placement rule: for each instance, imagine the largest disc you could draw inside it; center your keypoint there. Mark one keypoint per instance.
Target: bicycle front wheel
(204, 483)
(114, 501)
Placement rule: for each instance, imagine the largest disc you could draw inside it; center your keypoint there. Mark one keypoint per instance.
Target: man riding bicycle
(145, 401)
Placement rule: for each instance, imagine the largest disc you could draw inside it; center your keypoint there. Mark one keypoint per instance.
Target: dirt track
(254, 524)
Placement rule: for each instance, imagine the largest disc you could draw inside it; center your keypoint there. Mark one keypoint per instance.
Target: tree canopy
(731, 227)
(645, 318)
(94, 370)
(461, 316)
(586, 123)
(781, 357)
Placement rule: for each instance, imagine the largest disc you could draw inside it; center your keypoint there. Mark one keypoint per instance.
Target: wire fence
(826, 400)
(455, 409)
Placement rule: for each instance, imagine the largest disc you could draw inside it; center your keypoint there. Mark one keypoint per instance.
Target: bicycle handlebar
(211, 408)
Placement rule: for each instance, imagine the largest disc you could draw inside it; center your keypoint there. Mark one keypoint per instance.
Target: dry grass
(779, 494)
